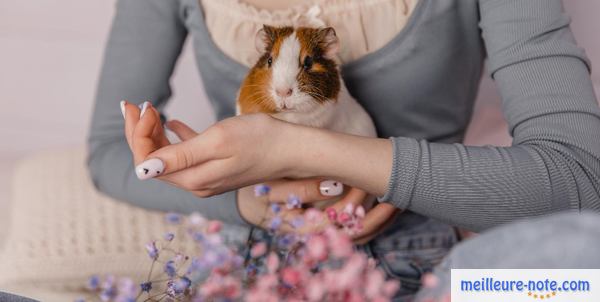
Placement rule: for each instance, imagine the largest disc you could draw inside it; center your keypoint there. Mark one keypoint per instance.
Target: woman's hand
(252, 149)
(233, 153)
(290, 196)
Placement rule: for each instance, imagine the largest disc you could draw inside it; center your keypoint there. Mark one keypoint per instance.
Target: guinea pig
(297, 79)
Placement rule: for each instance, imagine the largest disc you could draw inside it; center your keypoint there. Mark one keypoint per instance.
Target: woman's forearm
(360, 162)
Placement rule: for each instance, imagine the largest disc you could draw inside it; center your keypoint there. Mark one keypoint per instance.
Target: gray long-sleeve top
(419, 89)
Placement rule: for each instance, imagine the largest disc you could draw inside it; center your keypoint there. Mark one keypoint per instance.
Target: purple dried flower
(170, 268)
(195, 266)
(146, 286)
(275, 223)
(127, 291)
(293, 202)
(182, 284)
(177, 287)
(261, 190)
(109, 282)
(169, 236)
(125, 299)
(251, 269)
(297, 222)
(108, 294)
(80, 300)
(198, 237)
(275, 208)
(211, 258)
(173, 218)
(285, 240)
(93, 282)
(152, 250)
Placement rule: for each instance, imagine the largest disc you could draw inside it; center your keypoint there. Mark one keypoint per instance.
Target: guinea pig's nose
(284, 92)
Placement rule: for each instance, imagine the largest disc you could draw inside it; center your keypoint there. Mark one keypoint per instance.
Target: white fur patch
(285, 67)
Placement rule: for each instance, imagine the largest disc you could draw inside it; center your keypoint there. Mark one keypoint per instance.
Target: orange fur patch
(254, 96)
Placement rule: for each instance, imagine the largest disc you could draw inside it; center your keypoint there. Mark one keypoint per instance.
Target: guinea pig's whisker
(258, 93)
(315, 94)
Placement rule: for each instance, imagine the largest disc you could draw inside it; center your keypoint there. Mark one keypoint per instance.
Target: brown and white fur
(297, 79)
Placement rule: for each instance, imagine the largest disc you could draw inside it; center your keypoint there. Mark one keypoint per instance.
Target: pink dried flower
(344, 218)
(214, 226)
(315, 289)
(331, 214)
(390, 288)
(375, 281)
(430, 280)
(319, 266)
(317, 247)
(291, 276)
(313, 216)
(258, 250)
(349, 208)
(272, 262)
(340, 244)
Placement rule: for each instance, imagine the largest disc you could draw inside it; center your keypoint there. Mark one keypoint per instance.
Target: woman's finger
(159, 135)
(375, 220)
(183, 131)
(131, 113)
(306, 190)
(143, 141)
(176, 157)
(355, 197)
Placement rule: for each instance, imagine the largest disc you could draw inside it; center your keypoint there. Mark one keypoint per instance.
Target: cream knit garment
(364, 26)
(62, 231)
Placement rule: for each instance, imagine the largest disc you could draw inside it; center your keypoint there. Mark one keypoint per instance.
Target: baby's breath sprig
(317, 266)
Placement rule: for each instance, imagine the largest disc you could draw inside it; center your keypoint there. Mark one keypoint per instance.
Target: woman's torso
(421, 84)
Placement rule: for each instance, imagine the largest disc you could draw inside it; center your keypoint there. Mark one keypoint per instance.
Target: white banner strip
(528, 285)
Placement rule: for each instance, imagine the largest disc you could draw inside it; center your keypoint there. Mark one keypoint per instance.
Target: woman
(418, 86)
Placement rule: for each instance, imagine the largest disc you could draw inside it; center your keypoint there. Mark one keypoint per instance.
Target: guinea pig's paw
(150, 168)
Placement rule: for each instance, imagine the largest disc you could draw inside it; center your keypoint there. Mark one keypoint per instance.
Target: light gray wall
(50, 55)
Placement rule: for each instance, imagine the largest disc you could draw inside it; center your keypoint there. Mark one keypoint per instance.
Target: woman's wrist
(360, 162)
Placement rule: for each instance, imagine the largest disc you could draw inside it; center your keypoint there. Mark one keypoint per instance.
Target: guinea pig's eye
(270, 61)
(308, 62)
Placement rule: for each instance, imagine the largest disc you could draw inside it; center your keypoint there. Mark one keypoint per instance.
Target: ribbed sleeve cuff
(226, 209)
(405, 166)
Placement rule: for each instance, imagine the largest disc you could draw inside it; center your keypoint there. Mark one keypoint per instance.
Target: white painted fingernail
(123, 108)
(150, 168)
(360, 212)
(144, 107)
(331, 188)
(349, 208)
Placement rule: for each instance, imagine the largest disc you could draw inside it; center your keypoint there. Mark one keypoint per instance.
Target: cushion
(61, 230)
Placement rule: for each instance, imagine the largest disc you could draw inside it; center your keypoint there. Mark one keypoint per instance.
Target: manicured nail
(150, 168)
(144, 107)
(331, 188)
(123, 107)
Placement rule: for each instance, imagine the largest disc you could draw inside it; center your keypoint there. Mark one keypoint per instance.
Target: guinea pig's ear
(329, 42)
(264, 37)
